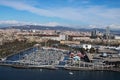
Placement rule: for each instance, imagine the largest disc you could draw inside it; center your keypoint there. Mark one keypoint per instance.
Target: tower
(94, 34)
(108, 35)
(107, 32)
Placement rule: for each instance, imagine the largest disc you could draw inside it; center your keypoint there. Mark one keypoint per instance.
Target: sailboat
(71, 73)
(40, 70)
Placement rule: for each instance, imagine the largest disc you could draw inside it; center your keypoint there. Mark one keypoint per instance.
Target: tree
(92, 50)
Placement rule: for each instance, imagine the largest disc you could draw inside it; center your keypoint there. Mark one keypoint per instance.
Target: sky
(73, 13)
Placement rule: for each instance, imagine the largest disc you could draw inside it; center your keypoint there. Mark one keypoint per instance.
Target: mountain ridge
(41, 27)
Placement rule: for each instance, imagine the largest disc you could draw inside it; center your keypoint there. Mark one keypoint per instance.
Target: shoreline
(52, 67)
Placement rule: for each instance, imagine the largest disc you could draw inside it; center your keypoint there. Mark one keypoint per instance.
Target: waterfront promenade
(64, 67)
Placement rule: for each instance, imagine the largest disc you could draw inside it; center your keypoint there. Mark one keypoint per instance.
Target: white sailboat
(71, 73)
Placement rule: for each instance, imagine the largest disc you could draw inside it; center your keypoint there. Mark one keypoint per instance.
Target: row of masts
(42, 57)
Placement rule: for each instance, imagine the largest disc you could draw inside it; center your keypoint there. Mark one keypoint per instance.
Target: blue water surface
(9, 73)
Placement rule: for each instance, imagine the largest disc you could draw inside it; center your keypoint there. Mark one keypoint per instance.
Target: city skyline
(77, 13)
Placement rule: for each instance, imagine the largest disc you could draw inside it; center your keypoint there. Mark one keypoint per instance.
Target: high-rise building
(107, 32)
(107, 35)
(94, 34)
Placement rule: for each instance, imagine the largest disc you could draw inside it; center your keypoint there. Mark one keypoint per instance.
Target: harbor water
(9, 73)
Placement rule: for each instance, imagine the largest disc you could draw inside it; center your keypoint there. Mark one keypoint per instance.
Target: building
(63, 37)
(107, 33)
(81, 38)
(94, 34)
(69, 42)
(116, 37)
(86, 46)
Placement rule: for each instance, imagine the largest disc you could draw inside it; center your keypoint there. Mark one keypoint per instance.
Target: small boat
(41, 70)
(70, 73)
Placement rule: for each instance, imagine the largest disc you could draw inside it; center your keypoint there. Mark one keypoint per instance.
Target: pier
(64, 67)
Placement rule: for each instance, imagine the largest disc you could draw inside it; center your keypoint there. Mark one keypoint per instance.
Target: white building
(63, 37)
(87, 46)
(117, 37)
(81, 38)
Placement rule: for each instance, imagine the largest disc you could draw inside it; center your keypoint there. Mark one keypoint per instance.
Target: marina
(53, 59)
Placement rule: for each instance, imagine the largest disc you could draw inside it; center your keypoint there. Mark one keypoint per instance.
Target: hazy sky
(61, 12)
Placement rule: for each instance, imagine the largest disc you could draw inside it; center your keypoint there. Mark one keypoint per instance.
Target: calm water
(8, 73)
